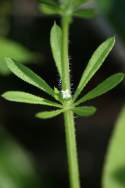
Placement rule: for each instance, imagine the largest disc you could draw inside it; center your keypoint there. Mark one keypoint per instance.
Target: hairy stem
(68, 115)
(71, 149)
(65, 57)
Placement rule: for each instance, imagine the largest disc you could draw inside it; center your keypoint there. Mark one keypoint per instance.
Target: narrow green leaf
(114, 168)
(28, 76)
(56, 43)
(84, 110)
(48, 114)
(94, 64)
(23, 97)
(102, 88)
(85, 13)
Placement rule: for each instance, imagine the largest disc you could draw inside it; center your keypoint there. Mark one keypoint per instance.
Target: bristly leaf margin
(24, 97)
(94, 64)
(48, 114)
(84, 111)
(27, 75)
(104, 87)
(56, 43)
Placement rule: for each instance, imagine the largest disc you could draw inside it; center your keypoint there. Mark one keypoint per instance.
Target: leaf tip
(55, 27)
(55, 24)
(37, 115)
(8, 61)
(122, 76)
(112, 40)
(94, 110)
(4, 95)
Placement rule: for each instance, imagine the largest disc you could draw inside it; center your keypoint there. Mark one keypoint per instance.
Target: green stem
(71, 149)
(65, 57)
(68, 115)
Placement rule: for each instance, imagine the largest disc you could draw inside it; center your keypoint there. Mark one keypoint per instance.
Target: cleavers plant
(63, 100)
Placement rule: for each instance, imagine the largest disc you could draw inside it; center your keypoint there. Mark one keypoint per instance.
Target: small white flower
(66, 94)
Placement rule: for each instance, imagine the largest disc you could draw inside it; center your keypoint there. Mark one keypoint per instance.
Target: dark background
(45, 140)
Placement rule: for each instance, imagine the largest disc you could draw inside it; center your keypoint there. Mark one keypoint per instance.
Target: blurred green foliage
(9, 48)
(114, 11)
(16, 166)
(74, 8)
(114, 169)
(105, 6)
(5, 11)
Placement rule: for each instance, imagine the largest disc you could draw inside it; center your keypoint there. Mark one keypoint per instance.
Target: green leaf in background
(84, 110)
(28, 76)
(50, 9)
(85, 13)
(73, 3)
(94, 64)
(105, 6)
(17, 168)
(13, 50)
(73, 7)
(66, 3)
(56, 43)
(49, 2)
(114, 168)
(79, 3)
(20, 96)
(48, 114)
(102, 88)
(83, 1)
